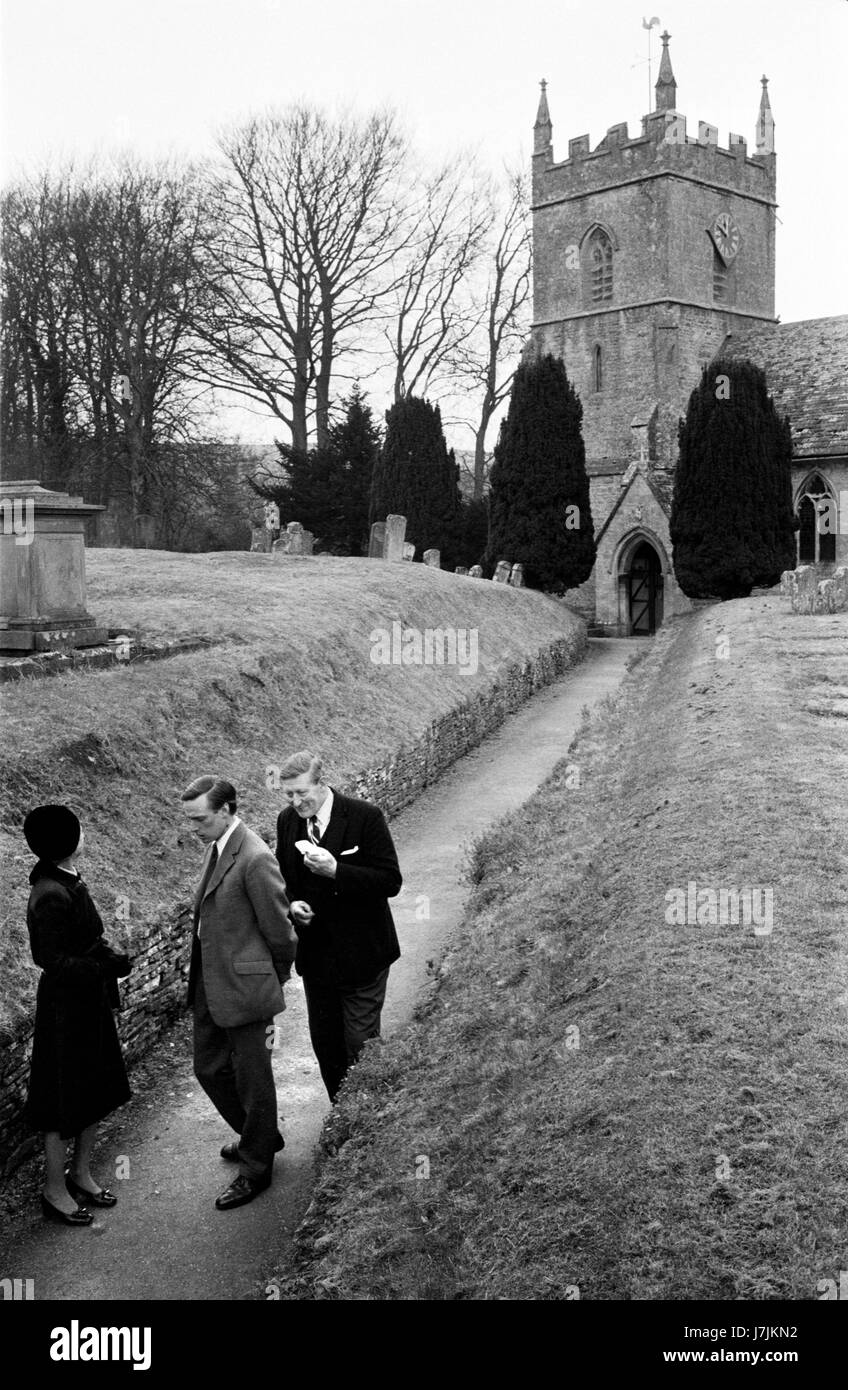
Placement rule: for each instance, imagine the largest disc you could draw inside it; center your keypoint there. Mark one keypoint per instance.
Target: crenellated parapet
(665, 146)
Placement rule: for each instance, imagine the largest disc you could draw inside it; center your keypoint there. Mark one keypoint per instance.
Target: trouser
(233, 1065)
(340, 1023)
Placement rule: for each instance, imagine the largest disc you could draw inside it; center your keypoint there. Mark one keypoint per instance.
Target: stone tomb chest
(42, 570)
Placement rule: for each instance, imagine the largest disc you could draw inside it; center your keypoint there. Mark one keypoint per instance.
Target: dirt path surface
(165, 1240)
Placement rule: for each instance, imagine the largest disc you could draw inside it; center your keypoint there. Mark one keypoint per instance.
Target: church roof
(806, 367)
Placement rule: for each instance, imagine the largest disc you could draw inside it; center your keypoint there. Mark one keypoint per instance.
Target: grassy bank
(600, 1102)
(291, 667)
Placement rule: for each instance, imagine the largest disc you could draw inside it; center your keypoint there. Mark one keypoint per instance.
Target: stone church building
(652, 255)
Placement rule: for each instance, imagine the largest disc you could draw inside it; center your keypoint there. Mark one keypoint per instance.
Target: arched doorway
(644, 591)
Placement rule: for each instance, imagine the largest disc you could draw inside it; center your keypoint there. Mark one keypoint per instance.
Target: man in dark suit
(340, 866)
(242, 949)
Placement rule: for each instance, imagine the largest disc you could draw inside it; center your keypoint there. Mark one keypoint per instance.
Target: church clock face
(726, 236)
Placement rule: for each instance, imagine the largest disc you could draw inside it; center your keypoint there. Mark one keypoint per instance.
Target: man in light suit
(242, 949)
(339, 879)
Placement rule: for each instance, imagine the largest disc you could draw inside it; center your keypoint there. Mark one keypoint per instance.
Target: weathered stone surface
(408, 550)
(294, 540)
(516, 576)
(42, 569)
(502, 572)
(808, 593)
(433, 558)
(260, 540)
(476, 572)
(377, 541)
(395, 536)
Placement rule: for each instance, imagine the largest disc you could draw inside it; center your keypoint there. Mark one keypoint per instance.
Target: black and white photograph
(424, 672)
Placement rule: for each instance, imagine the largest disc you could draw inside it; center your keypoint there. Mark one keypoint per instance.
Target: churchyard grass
(599, 1103)
(291, 667)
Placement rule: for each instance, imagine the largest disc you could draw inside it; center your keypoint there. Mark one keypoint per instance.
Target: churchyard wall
(154, 994)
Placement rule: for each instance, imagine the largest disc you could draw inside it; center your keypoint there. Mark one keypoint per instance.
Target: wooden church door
(646, 584)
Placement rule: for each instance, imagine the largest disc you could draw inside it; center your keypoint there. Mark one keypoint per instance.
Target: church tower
(648, 251)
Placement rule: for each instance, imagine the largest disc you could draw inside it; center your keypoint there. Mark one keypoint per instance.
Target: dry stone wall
(155, 991)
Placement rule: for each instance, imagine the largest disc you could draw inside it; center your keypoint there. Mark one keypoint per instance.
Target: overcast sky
(161, 75)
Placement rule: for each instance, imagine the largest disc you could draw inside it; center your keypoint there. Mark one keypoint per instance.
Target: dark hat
(52, 832)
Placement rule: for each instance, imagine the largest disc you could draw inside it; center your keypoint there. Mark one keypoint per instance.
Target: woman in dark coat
(77, 1075)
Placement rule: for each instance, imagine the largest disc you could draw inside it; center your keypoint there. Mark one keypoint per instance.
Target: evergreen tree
(355, 445)
(732, 524)
(539, 512)
(327, 489)
(418, 478)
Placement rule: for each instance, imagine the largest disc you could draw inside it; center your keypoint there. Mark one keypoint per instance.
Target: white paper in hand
(304, 846)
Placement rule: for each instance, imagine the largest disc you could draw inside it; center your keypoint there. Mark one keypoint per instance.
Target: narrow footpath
(165, 1240)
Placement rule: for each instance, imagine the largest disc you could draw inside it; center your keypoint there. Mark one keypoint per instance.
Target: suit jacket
(246, 943)
(352, 936)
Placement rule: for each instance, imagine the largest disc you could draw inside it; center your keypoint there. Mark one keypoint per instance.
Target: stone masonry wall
(155, 992)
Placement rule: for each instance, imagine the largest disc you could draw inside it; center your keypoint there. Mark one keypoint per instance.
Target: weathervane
(649, 24)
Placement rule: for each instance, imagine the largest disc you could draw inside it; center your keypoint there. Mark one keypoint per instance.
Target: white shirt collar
(222, 840)
(323, 815)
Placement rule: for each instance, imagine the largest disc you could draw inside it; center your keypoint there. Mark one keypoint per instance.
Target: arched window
(597, 369)
(819, 523)
(599, 266)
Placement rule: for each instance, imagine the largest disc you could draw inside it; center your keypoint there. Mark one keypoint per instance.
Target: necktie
(313, 831)
(210, 869)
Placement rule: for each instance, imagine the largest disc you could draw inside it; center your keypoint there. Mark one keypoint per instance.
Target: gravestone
(516, 577)
(502, 572)
(260, 540)
(408, 550)
(42, 570)
(433, 558)
(377, 541)
(461, 569)
(808, 593)
(395, 533)
(476, 572)
(294, 540)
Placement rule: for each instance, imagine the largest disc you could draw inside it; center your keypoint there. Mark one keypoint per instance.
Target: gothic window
(819, 522)
(599, 267)
(597, 369)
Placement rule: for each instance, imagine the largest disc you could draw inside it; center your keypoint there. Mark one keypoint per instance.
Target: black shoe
(102, 1198)
(242, 1190)
(231, 1154)
(80, 1217)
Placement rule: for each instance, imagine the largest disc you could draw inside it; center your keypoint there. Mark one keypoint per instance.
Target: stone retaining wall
(155, 992)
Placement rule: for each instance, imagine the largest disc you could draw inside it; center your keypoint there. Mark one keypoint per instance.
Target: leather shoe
(102, 1198)
(242, 1190)
(231, 1154)
(80, 1217)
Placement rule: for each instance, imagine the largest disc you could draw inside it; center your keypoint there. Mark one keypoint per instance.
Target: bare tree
(433, 316)
(134, 237)
(38, 408)
(487, 359)
(307, 225)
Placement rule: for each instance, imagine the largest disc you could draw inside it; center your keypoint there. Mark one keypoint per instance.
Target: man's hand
(301, 913)
(320, 861)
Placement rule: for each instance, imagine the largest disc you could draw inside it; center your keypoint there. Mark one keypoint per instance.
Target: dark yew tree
(732, 524)
(539, 512)
(327, 489)
(417, 477)
(355, 445)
